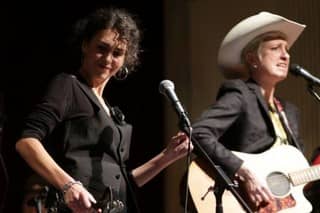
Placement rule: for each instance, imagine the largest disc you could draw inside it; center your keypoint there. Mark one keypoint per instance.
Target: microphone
(166, 88)
(300, 71)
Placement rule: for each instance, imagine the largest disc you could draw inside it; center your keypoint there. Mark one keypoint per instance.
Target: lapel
(87, 90)
(102, 115)
(256, 90)
(286, 120)
(254, 87)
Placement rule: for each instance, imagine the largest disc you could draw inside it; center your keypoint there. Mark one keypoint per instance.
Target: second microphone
(166, 88)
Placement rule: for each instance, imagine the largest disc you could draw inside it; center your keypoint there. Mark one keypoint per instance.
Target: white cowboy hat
(229, 55)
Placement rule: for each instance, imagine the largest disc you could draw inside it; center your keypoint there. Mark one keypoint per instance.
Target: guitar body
(273, 166)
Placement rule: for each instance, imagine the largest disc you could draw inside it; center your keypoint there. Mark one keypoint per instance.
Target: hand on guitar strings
(256, 190)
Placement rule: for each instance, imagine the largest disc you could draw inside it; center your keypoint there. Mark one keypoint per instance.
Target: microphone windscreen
(164, 85)
(294, 69)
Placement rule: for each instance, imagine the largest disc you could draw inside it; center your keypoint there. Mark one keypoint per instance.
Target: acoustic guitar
(284, 168)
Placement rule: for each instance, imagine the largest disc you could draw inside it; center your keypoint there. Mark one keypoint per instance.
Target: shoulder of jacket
(236, 84)
(64, 77)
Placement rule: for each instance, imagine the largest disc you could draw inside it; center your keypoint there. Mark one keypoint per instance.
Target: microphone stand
(312, 91)
(185, 126)
(223, 181)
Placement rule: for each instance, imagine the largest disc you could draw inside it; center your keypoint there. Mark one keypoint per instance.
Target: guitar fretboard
(305, 176)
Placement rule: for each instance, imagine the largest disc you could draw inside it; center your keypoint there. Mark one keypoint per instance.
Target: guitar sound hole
(278, 184)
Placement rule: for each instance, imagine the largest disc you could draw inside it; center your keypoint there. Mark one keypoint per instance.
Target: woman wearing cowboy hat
(245, 116)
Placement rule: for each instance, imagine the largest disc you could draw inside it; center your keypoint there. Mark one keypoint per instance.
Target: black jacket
(239, 121)
(87, 143)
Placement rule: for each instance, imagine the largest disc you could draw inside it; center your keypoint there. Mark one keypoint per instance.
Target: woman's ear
(251, 59)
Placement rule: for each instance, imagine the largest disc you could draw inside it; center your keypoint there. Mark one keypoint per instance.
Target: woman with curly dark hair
(79, 143)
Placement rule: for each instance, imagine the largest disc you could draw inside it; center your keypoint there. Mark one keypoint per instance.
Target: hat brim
(229, 55)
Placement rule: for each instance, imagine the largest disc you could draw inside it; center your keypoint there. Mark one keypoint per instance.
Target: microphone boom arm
(313, 92)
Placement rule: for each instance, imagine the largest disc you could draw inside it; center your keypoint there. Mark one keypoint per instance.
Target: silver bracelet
(68, 185)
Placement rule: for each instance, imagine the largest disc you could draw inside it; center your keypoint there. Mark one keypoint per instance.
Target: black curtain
(3, 170)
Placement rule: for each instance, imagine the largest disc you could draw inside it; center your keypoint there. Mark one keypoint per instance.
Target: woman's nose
(285, 54)
(108, 57)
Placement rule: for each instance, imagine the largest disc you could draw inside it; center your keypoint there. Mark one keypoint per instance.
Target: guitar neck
(305, 175)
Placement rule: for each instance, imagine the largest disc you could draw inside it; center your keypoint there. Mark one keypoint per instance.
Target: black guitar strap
(285, 123)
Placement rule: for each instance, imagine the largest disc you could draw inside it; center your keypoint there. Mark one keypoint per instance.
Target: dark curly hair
(115, 19)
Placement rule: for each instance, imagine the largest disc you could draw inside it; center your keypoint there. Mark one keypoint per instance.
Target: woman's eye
(118, 53)
(102, 48)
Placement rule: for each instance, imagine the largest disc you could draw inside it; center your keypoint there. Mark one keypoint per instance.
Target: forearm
(33, 152)
(177, 148)
(148, 170)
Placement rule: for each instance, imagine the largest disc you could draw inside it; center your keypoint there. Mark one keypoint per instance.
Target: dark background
(33, 49)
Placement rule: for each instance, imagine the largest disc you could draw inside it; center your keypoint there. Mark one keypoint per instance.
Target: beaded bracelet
(68, 185)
